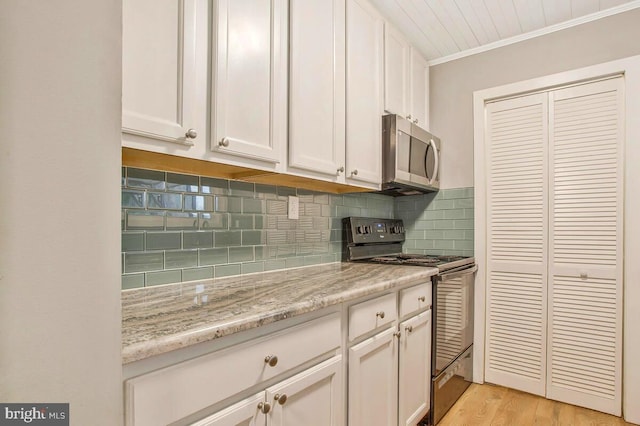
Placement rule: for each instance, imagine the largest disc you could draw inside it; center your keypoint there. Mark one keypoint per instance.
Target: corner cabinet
(317, 88)
(164, 72)
(249, 88)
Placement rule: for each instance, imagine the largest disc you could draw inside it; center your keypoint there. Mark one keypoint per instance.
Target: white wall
(60, 103)
(452, 83)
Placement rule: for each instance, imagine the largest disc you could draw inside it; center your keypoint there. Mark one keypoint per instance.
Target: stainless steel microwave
(410, 158)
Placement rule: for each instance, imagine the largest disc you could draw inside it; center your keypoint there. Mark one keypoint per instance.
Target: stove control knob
(359, 230)
(397, 229)
(367, 229)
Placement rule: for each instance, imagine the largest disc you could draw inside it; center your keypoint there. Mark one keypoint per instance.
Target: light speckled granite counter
(156, 320)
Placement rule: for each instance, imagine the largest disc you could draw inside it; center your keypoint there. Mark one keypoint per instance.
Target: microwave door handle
(436, 154)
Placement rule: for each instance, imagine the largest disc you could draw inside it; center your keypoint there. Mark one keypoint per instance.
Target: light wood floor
(495, 405)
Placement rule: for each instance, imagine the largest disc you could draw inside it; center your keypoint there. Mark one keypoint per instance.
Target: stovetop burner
(415, 259)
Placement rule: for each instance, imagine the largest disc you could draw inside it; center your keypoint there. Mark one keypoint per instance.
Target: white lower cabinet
(414, 373)
(295, 375)
(389, 372)
(244, 413)
(179, 391)
(373, 380)
(312, 398)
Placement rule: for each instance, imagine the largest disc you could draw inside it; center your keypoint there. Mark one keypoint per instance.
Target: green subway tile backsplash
(184, 227)
(180, 227)
(438, 223)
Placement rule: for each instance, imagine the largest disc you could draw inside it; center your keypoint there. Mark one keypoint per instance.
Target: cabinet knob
(397, 334)
(340, 170)
(272, 360)
(584, 275)
(191, 134)
(280, 398)
(421, 299)
(380, 314)
(264, 407)
(415, 121)
(224, 142)
(409, 117)
(355, 172)
(409, 328)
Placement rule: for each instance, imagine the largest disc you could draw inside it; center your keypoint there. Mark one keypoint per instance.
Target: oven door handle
(457, 273)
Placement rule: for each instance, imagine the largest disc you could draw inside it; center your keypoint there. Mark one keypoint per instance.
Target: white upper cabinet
(365, 37)
(406, 79)
(164, 70)
(396, 71)
(317, 88)
(249, 105)
(419, 90)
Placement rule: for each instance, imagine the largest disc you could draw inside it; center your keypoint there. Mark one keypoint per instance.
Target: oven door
(452, 317)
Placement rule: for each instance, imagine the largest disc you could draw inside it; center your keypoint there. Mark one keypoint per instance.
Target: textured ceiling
(445, 29)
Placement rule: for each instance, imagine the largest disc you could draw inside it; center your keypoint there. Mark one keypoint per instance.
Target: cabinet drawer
(372, 314)
(175, 392)
(414, 299)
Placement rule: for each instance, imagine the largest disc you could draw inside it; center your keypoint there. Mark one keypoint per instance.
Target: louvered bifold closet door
(585, 270)
(517, 135)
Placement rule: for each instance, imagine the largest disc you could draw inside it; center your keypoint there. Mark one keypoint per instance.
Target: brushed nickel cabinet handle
(380, 314)
(264, 407)
(409, 328)
(421, 298)
(272, 360)
(397, 334)
(191, 134)
(280, 398)
(340, 170)
(224, 142)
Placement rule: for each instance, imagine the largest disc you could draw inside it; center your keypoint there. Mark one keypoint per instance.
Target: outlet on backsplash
(294, 207)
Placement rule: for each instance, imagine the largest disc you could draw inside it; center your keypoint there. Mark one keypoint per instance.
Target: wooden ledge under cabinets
(172, 163)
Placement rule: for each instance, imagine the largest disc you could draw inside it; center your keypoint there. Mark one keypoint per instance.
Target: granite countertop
(160, 319)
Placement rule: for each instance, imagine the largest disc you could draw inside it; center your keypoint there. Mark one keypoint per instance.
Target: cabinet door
(419, 91)
(311, 398)
(164, 69)
(249, 89)
(396, 72)
(243, 413)
(414, 369)
(317, 88)
(364, 88)
(373, 381)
